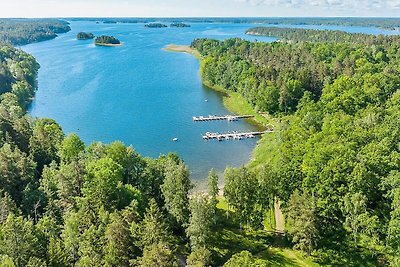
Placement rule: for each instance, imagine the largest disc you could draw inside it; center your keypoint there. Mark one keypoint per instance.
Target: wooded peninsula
(25, 31)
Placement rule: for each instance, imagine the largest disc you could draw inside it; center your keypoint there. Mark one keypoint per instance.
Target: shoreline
(236, 103)
(109, 45)
(182, 49)
(233, 101)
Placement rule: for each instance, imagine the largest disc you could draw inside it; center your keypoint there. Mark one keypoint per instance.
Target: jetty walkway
(233, 135)
(218, 118)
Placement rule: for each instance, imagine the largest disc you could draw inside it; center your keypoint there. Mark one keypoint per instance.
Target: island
(179, 25)
(84, 36)
(155, 25)
(107, 41)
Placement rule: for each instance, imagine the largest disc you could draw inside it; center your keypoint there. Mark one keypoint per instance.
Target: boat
(175, 139)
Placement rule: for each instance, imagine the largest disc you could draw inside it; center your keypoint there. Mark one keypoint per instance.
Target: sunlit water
(140, 94)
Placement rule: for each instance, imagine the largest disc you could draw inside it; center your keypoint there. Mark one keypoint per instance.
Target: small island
(84, 36)
(107, 41)
(179, 25)
(155, 25)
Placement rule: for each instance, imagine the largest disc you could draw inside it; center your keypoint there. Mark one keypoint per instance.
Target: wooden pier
(218, 118)
(233, 135)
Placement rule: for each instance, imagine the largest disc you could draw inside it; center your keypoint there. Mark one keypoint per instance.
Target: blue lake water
(140, 94)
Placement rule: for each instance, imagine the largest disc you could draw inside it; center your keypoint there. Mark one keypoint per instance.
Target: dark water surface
(140, 94)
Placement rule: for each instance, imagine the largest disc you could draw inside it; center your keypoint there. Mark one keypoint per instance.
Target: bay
(141, 94)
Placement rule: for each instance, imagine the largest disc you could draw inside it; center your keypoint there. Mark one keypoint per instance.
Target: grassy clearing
(236, 103)
(262, 154)
(229, 239)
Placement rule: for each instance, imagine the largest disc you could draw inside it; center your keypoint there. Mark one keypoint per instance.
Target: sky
(198, 8)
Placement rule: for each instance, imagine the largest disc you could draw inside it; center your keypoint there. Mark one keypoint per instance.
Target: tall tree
(355, 207)
(301, 212)
(153, 229)
(18, 240)
(16, 171)
(213, 189)
(240, 192)
(45, 142)
(70, 149)
(101, 182)
(392, 182)
(157, 255)
(119, 247)
(200, 221)
(176, 190)
(130, 161)
(200, 257)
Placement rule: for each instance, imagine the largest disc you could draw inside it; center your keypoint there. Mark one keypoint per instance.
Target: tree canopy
(25, 31)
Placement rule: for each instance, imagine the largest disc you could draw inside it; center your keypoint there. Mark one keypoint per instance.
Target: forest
(334, 162)
(63, 203)
(322, 36)
(25, 31)
(66, 204)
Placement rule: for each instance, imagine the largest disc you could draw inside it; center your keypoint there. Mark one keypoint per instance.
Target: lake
(141, 94)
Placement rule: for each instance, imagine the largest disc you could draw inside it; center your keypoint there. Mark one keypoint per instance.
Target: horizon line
(199, 17)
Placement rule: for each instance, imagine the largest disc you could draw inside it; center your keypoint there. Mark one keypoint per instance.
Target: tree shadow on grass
(228, 239)
(347, 256)
(275, 259)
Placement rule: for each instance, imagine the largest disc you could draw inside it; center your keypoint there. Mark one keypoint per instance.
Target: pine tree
(200, 221)
(153, 229)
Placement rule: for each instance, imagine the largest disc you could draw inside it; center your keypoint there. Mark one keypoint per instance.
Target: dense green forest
(84, 36)
(104, 40)
(25, 31)
(18, 72)
(322, 36)
(333, 163)
(335, 166)
(65, 204)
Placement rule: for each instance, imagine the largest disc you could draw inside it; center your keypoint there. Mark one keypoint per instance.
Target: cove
(137, 93)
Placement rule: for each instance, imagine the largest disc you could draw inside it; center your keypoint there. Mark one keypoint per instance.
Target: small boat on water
(175, 139)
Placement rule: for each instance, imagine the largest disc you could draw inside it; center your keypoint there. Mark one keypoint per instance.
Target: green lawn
(265, 245)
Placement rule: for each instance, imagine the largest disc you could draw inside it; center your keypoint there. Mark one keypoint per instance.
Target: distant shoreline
(112, 45)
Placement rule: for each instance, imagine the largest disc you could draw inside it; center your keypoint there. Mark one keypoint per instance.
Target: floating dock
(219, 118)
(233, 135)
